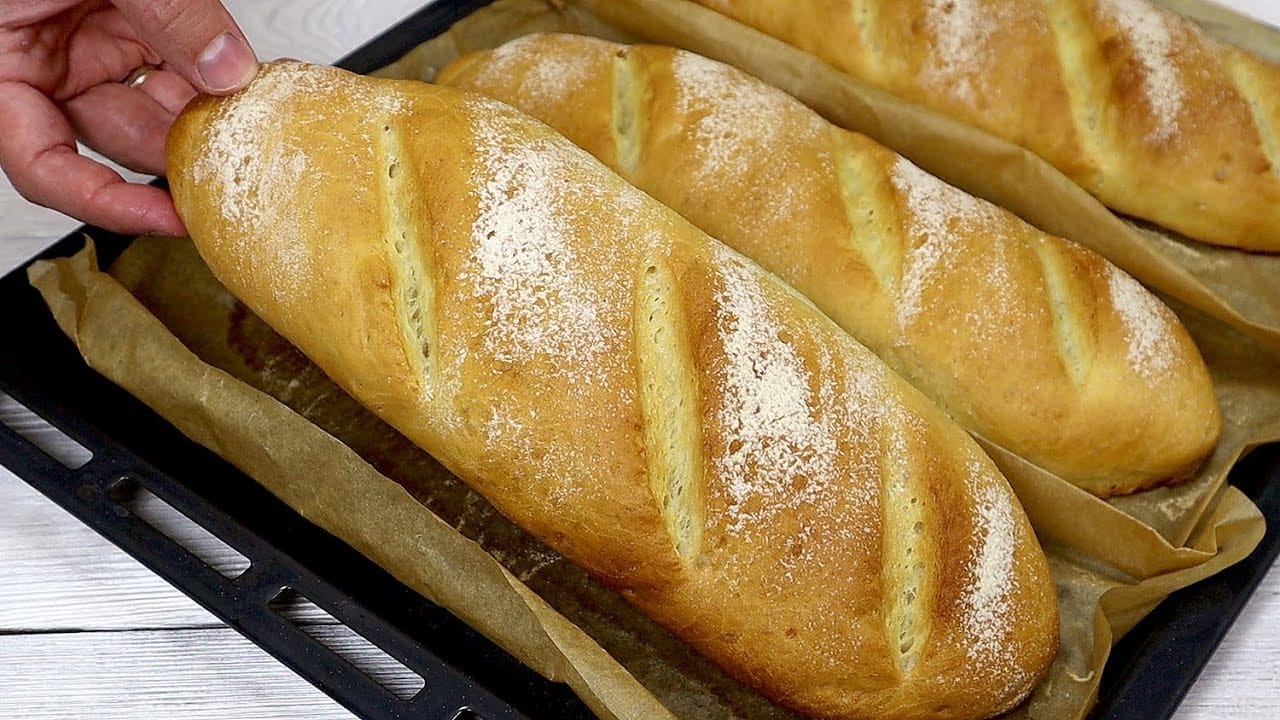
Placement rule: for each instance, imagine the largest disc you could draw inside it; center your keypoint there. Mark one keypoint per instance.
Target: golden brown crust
(1131, 101)
(1035, 343)
(473, 278)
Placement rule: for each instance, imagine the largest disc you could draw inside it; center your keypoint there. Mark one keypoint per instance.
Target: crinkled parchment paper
(163, 328)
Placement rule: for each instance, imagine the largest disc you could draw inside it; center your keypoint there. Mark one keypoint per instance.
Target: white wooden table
(86, 631)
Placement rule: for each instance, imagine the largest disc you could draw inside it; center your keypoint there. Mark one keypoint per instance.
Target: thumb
(197, 38)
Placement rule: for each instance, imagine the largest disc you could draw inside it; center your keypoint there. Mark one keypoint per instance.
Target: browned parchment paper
(1231, 285)
(188, 349)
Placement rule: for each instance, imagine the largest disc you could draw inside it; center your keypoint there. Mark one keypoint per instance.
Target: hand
(63, 64)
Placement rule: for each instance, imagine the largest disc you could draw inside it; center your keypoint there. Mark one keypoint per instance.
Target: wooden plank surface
(86, 631)
(132, 675)
(151, 652)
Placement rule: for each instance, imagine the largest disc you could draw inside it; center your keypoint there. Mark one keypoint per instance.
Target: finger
(168, 88)
(37, 152)
(122, 123)
(197, 38)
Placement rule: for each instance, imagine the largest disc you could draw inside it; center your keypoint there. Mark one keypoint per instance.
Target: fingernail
(227, 65)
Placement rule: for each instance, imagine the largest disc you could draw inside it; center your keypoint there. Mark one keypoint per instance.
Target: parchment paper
(186, 347)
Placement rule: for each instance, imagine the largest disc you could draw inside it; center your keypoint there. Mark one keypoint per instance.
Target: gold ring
(139, 76)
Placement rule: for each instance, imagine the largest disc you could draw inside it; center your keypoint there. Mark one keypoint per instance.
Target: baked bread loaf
(1033, 342)
(1131, 101)
(651, 404)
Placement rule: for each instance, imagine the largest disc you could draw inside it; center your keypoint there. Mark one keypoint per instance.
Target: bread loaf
(1131, 101)
(648, 402)
(1033, 342)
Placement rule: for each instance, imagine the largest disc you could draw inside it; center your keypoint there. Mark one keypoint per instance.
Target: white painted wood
(1242, 681)
(316, 30)
(56, 574)
(1264, 10)
(41, 434)
(59, 575)
(155, 654)
(206, 674)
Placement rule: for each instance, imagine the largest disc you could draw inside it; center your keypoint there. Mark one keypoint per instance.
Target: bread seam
(627, 119)
(669, 403)
(904, 571)
(860, 199)
(1069, 25)
(1254, 96)
(413, 286)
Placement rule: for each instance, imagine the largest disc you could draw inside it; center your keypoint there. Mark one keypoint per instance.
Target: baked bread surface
(648, 402)
(1033, 342)
(1133, 102)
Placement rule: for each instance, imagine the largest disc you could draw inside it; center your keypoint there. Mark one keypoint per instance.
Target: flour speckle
(737, 119)
(1148, 30)
(960, 29)
(776, 440)
(250, 180)
(937, 213)
(251, 164)
(551, 287)
(524, 263)
(987, 602)
(549, 79)
(1147, 325)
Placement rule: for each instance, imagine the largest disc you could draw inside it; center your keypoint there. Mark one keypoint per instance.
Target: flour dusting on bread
(525, 266)
(546, 82)
(738, 118)
(251, 167)
(234, 161)
(1148, 325)
(768, 410)
(988, 618)
(1148, 30)
(938, 212)
(742, 126)
(960, 29)
(249, 183)
(550, 303)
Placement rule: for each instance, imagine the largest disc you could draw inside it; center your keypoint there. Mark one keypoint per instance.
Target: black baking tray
(467, 677)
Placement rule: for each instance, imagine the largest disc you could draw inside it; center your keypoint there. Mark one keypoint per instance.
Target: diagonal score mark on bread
(1085, 85)
(627, 110)
(413, 285)
(871, 229)
(1263, 102)
(1071, 304)
(907, 591)
(670, 405)
(866, 18)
